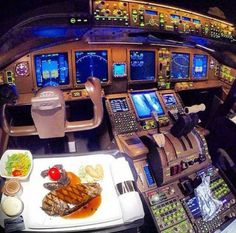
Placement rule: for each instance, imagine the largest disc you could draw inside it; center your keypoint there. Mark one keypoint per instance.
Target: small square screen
(169, 99)
(119, 70)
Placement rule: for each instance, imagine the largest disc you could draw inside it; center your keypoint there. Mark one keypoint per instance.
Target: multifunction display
(180, 66)
(199, 66)
(91, 64)
(145, 103)
(169, 99)
(51, 69)
(142, 65)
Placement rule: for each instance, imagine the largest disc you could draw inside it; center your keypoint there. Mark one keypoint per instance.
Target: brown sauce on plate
(86, 210)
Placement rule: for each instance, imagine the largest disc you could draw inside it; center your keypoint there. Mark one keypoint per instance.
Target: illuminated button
(73, 20)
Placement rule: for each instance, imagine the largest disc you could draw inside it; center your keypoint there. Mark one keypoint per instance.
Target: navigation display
(145, 103)
(91, 64)
(51, 69)
(142, 65)
(199, 66)
(169, 99)
(180, 66)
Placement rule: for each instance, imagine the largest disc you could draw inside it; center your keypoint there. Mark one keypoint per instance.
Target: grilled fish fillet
(69, 198)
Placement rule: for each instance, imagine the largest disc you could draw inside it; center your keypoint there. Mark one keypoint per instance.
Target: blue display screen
(199, 66)
(196, 21)
(180, 66)
(175, 16)
(51, 69)
(193, 206)
(91, 64)
(142, 65)
(186, 18)
(169, 99)
(150, 12)
(145, 103)
(149, 178)
(119, 70)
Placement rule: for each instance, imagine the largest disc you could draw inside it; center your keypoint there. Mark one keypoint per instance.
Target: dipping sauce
(12, 187)
(12, 206)
(87, 210)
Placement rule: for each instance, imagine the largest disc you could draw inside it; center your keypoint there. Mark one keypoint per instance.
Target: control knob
(232, 201)
(117, 12)
(100, 5)
(105, 12)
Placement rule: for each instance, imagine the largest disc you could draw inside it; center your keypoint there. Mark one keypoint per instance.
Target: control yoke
(48, 106)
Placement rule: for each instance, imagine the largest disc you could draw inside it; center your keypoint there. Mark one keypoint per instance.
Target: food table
(120, 209)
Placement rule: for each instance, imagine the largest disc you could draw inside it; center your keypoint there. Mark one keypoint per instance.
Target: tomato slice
(16, 173)
(54, 173)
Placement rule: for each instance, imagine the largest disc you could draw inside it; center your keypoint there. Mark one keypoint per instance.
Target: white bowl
(4, 159)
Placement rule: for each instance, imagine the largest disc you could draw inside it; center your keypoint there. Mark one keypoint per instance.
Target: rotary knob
(117, 12)
(105, 12)
(100, 5)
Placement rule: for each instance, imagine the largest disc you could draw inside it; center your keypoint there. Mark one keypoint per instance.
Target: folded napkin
(130, 202)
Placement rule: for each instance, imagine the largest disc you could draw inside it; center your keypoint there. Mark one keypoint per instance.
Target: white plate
(34, 192)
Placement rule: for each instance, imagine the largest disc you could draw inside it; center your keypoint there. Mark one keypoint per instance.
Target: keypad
(125, 122)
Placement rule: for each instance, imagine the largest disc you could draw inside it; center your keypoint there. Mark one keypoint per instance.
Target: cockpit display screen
(169, 99)
(199, 66)
(51, 69)
(180, 66)
(142, 65)
(193, 207)
(91, 64)
(119, 105)
(145, 103)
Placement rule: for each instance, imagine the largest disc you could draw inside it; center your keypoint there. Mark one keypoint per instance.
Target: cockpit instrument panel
(145, 103)
(142, 65)
(200, 64)
(91, 63)
(51, 69)
(180, 66)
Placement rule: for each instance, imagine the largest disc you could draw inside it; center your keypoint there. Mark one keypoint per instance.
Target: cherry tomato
(54, 173)
(16, 173)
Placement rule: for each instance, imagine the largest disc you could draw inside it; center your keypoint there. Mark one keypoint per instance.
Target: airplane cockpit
(118, 116)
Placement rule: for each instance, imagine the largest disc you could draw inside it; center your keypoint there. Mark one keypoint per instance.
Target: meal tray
(108, 214)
